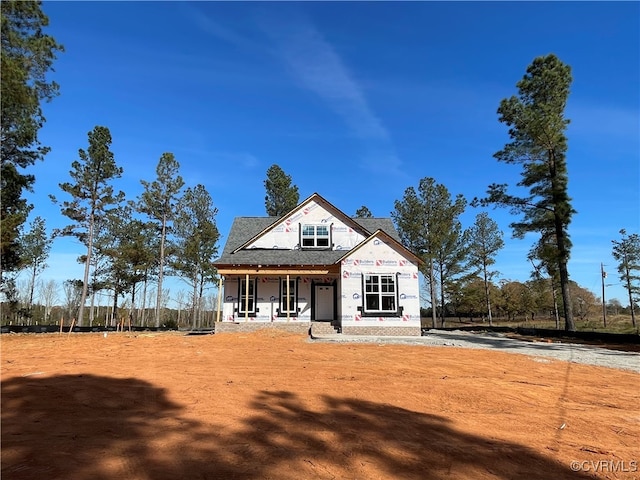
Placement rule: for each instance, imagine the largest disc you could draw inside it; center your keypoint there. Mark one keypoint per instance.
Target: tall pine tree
(26, 58)
(158, 201)
(537, 125)
(92, 196)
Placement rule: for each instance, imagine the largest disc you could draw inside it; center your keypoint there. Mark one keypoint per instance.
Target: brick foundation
(317, 328)
(232, 327)
(383, 331)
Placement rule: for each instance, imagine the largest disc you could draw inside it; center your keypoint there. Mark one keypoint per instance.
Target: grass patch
(615, 324)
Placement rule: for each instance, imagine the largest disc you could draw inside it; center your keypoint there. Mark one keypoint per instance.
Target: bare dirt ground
(272, 405)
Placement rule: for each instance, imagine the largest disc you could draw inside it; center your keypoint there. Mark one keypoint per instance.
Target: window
(288, 299)
(315, 236)
(244, 294)
(380, 293)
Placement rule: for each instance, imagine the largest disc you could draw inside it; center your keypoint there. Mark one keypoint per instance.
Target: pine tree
(428, 225)
(158, 201)
(281, 196)
(627, 252)
(92, 196)
(27, 56)
(485, 240)
(537, 129)
(363, 212)
(35, 246)
(196, 237)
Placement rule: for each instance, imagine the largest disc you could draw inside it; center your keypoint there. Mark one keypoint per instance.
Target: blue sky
(355, 100)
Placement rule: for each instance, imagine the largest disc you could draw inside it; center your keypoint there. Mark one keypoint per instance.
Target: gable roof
(375, 224)
(395, 243)
(313, 198)
(245, 230)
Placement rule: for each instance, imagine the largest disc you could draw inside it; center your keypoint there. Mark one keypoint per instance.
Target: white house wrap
(318, 264)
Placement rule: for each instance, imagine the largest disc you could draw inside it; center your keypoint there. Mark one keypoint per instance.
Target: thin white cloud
(315, 64)
(215, 29)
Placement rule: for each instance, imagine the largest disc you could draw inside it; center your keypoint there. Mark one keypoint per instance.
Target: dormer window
(315, 236)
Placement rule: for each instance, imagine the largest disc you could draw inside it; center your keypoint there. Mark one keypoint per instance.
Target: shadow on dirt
(86, 427)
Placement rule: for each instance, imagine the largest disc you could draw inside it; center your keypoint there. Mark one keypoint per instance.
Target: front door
(324, 302)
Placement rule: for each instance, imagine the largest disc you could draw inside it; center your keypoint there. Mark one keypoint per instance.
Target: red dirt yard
(275, 405)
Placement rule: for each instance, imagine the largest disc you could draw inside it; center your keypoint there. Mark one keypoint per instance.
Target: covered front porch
(279, 294)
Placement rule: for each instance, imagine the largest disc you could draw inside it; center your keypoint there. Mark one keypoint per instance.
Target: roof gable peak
(399, 247)
(302, 209)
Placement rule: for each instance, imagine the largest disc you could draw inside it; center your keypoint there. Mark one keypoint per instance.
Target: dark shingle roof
(245, 228)
(384, 224)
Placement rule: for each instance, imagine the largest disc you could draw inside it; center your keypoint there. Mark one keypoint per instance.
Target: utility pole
(604, 303)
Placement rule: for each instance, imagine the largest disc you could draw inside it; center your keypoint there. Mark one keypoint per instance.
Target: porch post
(288, 297)
(246, 297)
(219, 298)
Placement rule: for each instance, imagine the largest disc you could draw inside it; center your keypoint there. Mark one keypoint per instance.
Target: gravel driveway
(570, 352)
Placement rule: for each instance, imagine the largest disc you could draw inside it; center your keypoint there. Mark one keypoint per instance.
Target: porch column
(288, 297)
(246, 297)
(219, 298)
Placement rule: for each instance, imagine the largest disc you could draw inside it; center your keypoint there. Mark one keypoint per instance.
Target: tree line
(132, 244)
